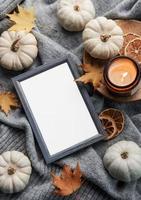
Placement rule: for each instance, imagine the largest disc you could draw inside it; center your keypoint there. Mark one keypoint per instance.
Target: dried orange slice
(127, 38)
(109, 126)
(133, 49)
(118, 118)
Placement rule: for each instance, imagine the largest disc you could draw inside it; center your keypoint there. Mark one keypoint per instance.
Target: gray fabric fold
(127, 9)
(6, 6)
(16, 133)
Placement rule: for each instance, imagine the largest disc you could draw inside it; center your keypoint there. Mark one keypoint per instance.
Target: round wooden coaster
(127, 26)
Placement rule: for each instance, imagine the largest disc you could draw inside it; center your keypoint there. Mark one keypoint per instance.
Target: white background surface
(58, 108)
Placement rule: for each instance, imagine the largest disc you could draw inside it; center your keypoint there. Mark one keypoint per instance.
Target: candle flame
(123, 76)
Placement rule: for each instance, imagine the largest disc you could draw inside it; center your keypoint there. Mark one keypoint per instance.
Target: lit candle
(122, 72)
(122, 75)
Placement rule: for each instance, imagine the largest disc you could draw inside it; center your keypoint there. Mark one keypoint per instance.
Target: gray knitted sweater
(15, 131)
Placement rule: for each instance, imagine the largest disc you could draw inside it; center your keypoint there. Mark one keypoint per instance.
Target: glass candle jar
(122, 76)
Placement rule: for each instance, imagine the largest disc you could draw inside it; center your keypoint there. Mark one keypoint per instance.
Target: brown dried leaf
(24, 20)
(7, 101)
(94, 75)
(69, 181)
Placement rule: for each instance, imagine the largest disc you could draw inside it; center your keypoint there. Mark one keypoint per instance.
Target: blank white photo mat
(59, 110)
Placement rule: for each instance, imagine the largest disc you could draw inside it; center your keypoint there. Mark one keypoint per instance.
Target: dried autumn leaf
(94, 75)
(24, 20)
(69, 181)
(7, 101)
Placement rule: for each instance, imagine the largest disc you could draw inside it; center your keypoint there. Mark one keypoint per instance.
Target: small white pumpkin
(102, 38)
(15, 171)
(74, 14)
(123, 161)
(17, 50)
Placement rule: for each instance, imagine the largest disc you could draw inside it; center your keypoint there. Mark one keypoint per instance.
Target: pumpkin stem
(11, 171)
(104, 37)
(15, 45)
(124, 155)
(76, 8)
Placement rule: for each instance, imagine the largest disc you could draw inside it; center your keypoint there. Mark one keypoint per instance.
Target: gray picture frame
(38, 135)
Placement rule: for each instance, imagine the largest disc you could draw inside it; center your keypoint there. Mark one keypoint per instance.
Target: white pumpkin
(15, 171)
(102, 38)
(74, 14)
(17, 50)
(123, 161)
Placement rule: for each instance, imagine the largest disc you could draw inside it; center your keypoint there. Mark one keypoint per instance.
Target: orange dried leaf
(7, 101)
(24, 20)
(69, 181)
(94, 75)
